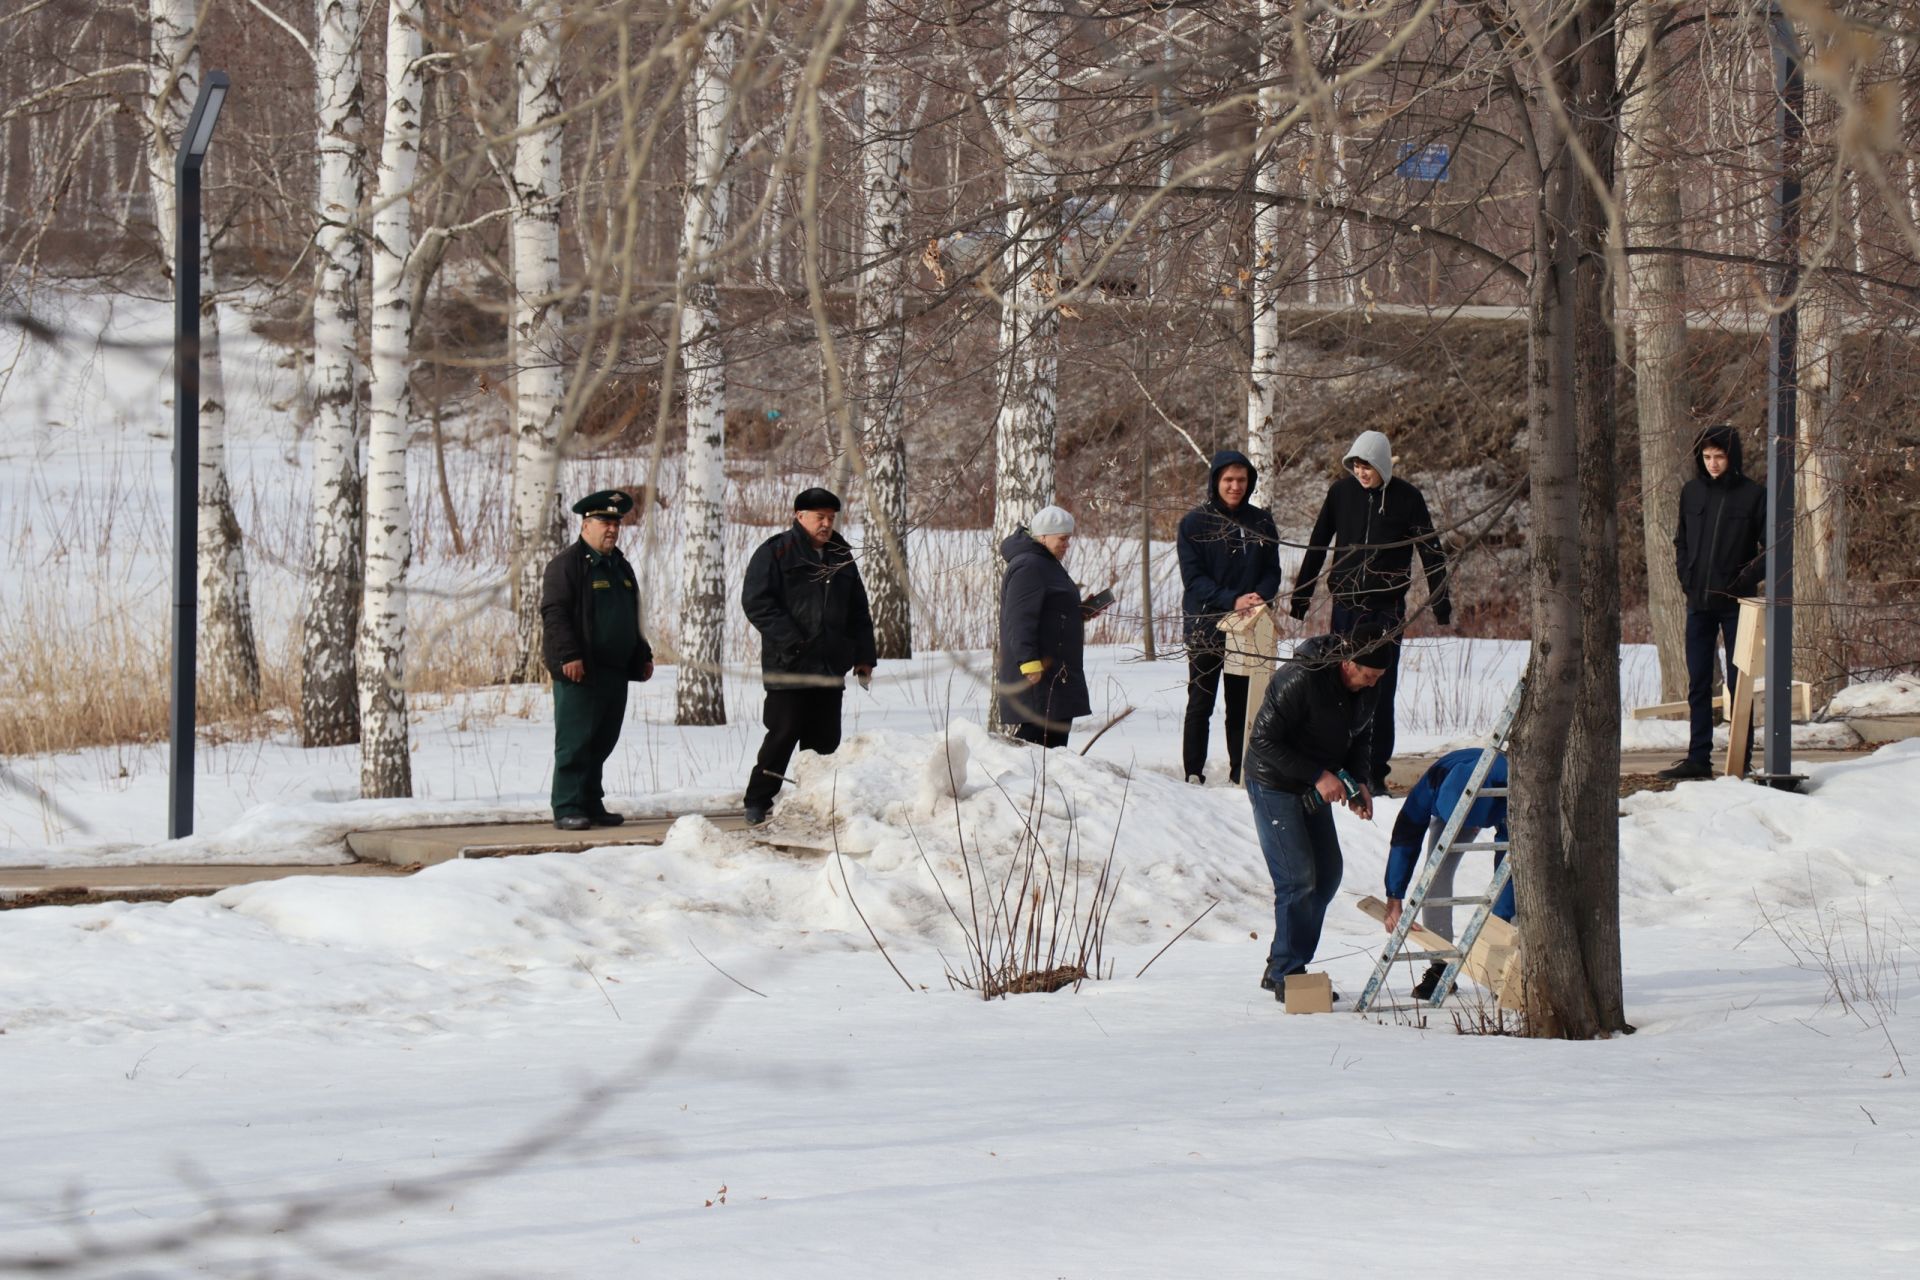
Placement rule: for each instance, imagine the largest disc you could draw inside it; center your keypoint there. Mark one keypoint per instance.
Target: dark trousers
(1303, 857)
(1041, 735)
(1345, 622)
(586, 725)
(1204, 668)
(1707, 631)
(807, 718)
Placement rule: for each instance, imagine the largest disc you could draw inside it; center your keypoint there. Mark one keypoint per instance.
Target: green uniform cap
(612, 503)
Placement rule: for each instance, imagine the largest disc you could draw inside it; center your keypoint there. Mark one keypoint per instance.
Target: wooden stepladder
(1487, 960)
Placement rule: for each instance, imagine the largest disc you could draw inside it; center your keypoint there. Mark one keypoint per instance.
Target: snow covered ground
(554, 1066)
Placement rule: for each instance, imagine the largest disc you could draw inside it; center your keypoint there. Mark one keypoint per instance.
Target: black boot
(1429, 981)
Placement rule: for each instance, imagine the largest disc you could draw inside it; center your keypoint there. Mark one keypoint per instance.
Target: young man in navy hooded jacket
(1719, 552)
(1373, 521)
(1229, 562)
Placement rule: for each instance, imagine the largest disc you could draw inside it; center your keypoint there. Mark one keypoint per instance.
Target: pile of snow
(1899, 696)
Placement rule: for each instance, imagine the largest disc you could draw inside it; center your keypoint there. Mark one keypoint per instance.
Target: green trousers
(586, 725)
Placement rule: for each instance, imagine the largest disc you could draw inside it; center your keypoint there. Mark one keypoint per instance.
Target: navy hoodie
(1719, 545)
(1225, 552)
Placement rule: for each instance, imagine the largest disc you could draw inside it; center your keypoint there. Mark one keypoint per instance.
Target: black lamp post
(1783, 382)
(186, 443)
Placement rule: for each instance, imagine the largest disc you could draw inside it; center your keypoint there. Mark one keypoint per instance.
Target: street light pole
(186, 445)
(1783, 381)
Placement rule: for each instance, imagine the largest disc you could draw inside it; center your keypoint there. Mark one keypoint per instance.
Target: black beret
(607, 502)
(816, 499)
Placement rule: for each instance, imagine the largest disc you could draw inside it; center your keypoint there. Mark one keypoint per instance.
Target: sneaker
(757, 814)
(607, 818)
(1196, 780)
(1686, 771)
(1233, 776)
(1429, 981)
(573, 822)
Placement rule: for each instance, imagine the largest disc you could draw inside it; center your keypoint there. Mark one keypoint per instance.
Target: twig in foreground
(1176, 937)
(722, 972)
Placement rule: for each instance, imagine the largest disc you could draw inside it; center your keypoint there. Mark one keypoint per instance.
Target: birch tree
(385, 763)
(539, 370)
(1263, 387)
(229, 660)
(1659, 320)
(885, 158)
(698, 696)
(329, 697)
(1026, 424)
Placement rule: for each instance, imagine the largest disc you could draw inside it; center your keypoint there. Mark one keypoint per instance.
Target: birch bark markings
(539, 378)
(698, 696)
(1025, 427)
(385, 763)
(229, 661)
(1263, 386)
(329, 696)
(884, 162)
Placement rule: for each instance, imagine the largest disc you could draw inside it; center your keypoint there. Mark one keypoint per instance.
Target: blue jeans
(1303, 857)
(1707, 631)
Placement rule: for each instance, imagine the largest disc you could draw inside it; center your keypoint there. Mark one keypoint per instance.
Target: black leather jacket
(1310, 722)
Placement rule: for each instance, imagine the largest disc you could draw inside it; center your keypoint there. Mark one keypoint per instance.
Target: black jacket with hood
(1373, 534)
(1040, 621)
(1720, 542)
(810, 608)
(566, 610)
(1310, 722)
(1225, 552)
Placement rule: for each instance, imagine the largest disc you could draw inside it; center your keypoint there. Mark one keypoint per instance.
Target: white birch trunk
(229, 660)
(1820, 504)
(1029, 321)
(699, 697)
(1263, 384)
(539, 369)
(329, 695)
(385, 763)
(884, 161)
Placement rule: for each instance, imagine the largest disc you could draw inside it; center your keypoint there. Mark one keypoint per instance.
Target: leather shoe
(1686, 771)
(607, 819)
(573, 822)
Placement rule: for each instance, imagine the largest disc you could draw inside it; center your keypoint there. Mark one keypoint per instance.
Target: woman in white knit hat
(1042, 674)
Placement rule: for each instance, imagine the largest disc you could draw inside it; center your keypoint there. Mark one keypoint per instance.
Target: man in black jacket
(804, 595)
(591, 642)
(1718, 549)
(1374, 521)
(1314, 725)
(1229, 554)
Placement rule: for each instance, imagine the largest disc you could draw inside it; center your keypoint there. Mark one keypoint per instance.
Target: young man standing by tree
(1718, 553)
(803, 594)
(590, 638)
(1374, 521)
(1229, 563)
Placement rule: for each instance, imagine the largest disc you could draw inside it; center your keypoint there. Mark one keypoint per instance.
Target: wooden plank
(1491, 963)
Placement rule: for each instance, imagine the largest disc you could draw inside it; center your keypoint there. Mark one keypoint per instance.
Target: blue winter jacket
(1437, 795)
(1224, 553)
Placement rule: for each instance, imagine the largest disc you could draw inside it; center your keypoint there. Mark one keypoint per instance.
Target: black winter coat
(1040, 621)
(1310, 722)
(1224, 553)
(1373, 534)
(810, 608)
(1719, 545)
(566, 611)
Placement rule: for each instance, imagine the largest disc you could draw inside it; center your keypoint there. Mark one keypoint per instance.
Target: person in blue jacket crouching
(1422, 817)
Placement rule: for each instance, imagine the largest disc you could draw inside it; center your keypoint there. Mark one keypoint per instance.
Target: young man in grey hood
(1372, 522)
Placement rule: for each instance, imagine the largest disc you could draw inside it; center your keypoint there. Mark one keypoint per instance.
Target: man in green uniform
(590, 637)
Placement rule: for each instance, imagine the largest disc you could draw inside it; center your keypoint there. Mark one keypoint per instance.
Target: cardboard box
(1309, 993)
